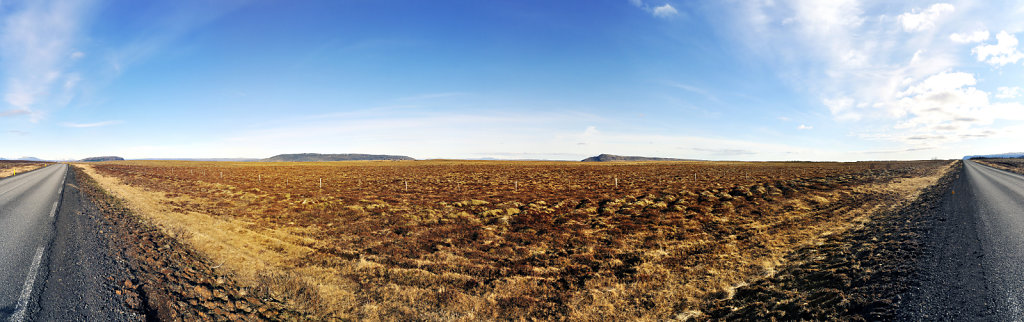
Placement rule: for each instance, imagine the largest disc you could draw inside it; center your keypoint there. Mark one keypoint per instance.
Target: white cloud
(1005, 92)
(972, 37)
(948, 106)
(96, 124)
(804, 127)
(841, 107)
(883, 82)
(665, 11)
(35, 50)
(924, 20)
(77, 55)
(1003, 52)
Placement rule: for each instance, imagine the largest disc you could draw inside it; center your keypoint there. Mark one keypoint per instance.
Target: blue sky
(726, 80)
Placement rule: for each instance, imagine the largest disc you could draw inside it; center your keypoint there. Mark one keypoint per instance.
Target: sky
(837, 80)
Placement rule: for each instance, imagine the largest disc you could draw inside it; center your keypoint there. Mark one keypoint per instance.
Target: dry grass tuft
(10, 168)
(490, 240)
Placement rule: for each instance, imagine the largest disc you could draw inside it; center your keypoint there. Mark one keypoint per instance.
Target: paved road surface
(28, 203)
(54, 265)
(974, 264)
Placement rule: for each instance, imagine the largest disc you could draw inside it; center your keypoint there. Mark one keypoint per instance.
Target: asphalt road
(973, 267)
(28, 204)
(54, 263)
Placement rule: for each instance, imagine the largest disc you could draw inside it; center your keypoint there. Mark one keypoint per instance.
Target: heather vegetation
(549, 240)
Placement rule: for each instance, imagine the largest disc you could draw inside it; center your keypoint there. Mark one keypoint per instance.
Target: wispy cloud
(429, 96)
(663, 11)
(95, 124)
(15, 112)
(697, 90)
(36, 48)
(804, 127)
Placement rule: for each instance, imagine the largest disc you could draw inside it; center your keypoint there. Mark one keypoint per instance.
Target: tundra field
(1012, 165)
(443, 240)
(11, 167)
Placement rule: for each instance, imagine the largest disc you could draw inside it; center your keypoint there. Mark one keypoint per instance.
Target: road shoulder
(81, 274)
(862, 274)
(169, 281)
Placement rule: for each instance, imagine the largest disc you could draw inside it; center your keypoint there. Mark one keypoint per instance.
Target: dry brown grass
(10, 168)
(1012, 165)
(562, 241)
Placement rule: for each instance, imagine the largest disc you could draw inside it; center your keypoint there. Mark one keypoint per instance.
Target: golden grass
(19, 168)
(309, 263)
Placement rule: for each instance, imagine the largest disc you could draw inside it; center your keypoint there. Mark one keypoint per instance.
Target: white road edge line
(60, 192)
(26, 291)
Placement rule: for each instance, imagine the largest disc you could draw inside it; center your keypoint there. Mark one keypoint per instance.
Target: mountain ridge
(604, 157)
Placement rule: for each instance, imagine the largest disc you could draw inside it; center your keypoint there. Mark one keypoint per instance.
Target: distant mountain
(25, 159)
(317, 157)
(1011, 155)
(105, 158)
(612, 158)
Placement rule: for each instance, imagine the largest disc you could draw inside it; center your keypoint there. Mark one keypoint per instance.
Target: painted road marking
(26, 291)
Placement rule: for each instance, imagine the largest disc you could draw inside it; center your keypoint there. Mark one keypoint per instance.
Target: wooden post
(406, 185)
(616, 182)
(259, 178)
(517, 186)
(321, 183)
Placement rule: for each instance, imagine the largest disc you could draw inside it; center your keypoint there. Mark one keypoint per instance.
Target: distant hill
(317, 157)
(1010, 155)
(25, 159)
(99, 159)
(612, 158)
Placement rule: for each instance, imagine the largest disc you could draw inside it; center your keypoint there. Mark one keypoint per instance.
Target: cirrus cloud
(94, 124)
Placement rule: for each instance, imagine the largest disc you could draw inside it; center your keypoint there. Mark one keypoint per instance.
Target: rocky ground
(166, 280)
(863, 274)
